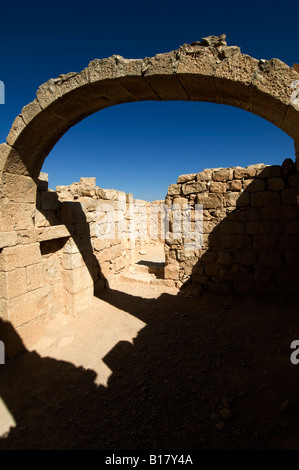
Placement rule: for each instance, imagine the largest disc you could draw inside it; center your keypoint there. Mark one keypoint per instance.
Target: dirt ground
(146, 368)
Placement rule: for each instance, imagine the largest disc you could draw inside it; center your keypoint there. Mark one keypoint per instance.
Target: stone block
(49, 201)
(174, 190)
(34, 276)
(217, 187)
(265, 198)
(234, 199)
(79, 301)
(275, 184)
(273, 171)
(20, 256)
(209, 201)
(223, 174)
(255, 185)
(235, 185)
(171, 271)
(186, 178)
(18, 188)
(193, 188)
(27, 307)
(78, 279)
(13, 283)
(8, 239)
(120, 263)
(205, 175)
(240, 173)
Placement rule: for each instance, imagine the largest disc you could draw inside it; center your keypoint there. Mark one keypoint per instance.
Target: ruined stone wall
(250, 238)
(116, 223)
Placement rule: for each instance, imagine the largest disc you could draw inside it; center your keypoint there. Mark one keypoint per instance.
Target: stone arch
(202, 71)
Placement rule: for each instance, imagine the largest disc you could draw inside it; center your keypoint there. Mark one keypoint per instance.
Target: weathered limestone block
(72, 261)
(270, 93)
(18, 188)
(234, 199)
(209, 201)
(186, 178)
(265, 198)
(13, 283)
(205, 175)
(174, 190)
(234, 185)
(171, 271)
(20, 256)
(53, 232)
(28, 306)
(248, 172)
(195, 67)
(193, 188)
(34, 276)
(217, 187)
(254, 185)
(273, 171)
(223, 174)
(242, 68)
(78, 279)
(159, 72)
(275, 184)
(8, 239)
(79, 301)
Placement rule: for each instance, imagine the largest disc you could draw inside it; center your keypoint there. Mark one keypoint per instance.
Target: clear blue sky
(143, 147)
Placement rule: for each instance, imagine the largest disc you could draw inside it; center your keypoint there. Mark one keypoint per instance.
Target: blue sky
(143, 147)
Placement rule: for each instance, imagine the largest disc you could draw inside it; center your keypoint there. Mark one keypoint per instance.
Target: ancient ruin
(51, 258)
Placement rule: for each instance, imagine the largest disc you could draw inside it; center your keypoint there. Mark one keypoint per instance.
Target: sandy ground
(147, 368)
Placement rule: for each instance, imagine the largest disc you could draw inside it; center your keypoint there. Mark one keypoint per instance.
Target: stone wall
(250, 239)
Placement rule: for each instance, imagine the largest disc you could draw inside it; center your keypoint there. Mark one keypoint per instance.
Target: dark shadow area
(195, 358)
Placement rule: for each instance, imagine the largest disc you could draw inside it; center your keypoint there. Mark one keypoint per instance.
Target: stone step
(145, 279)
(150, 267)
